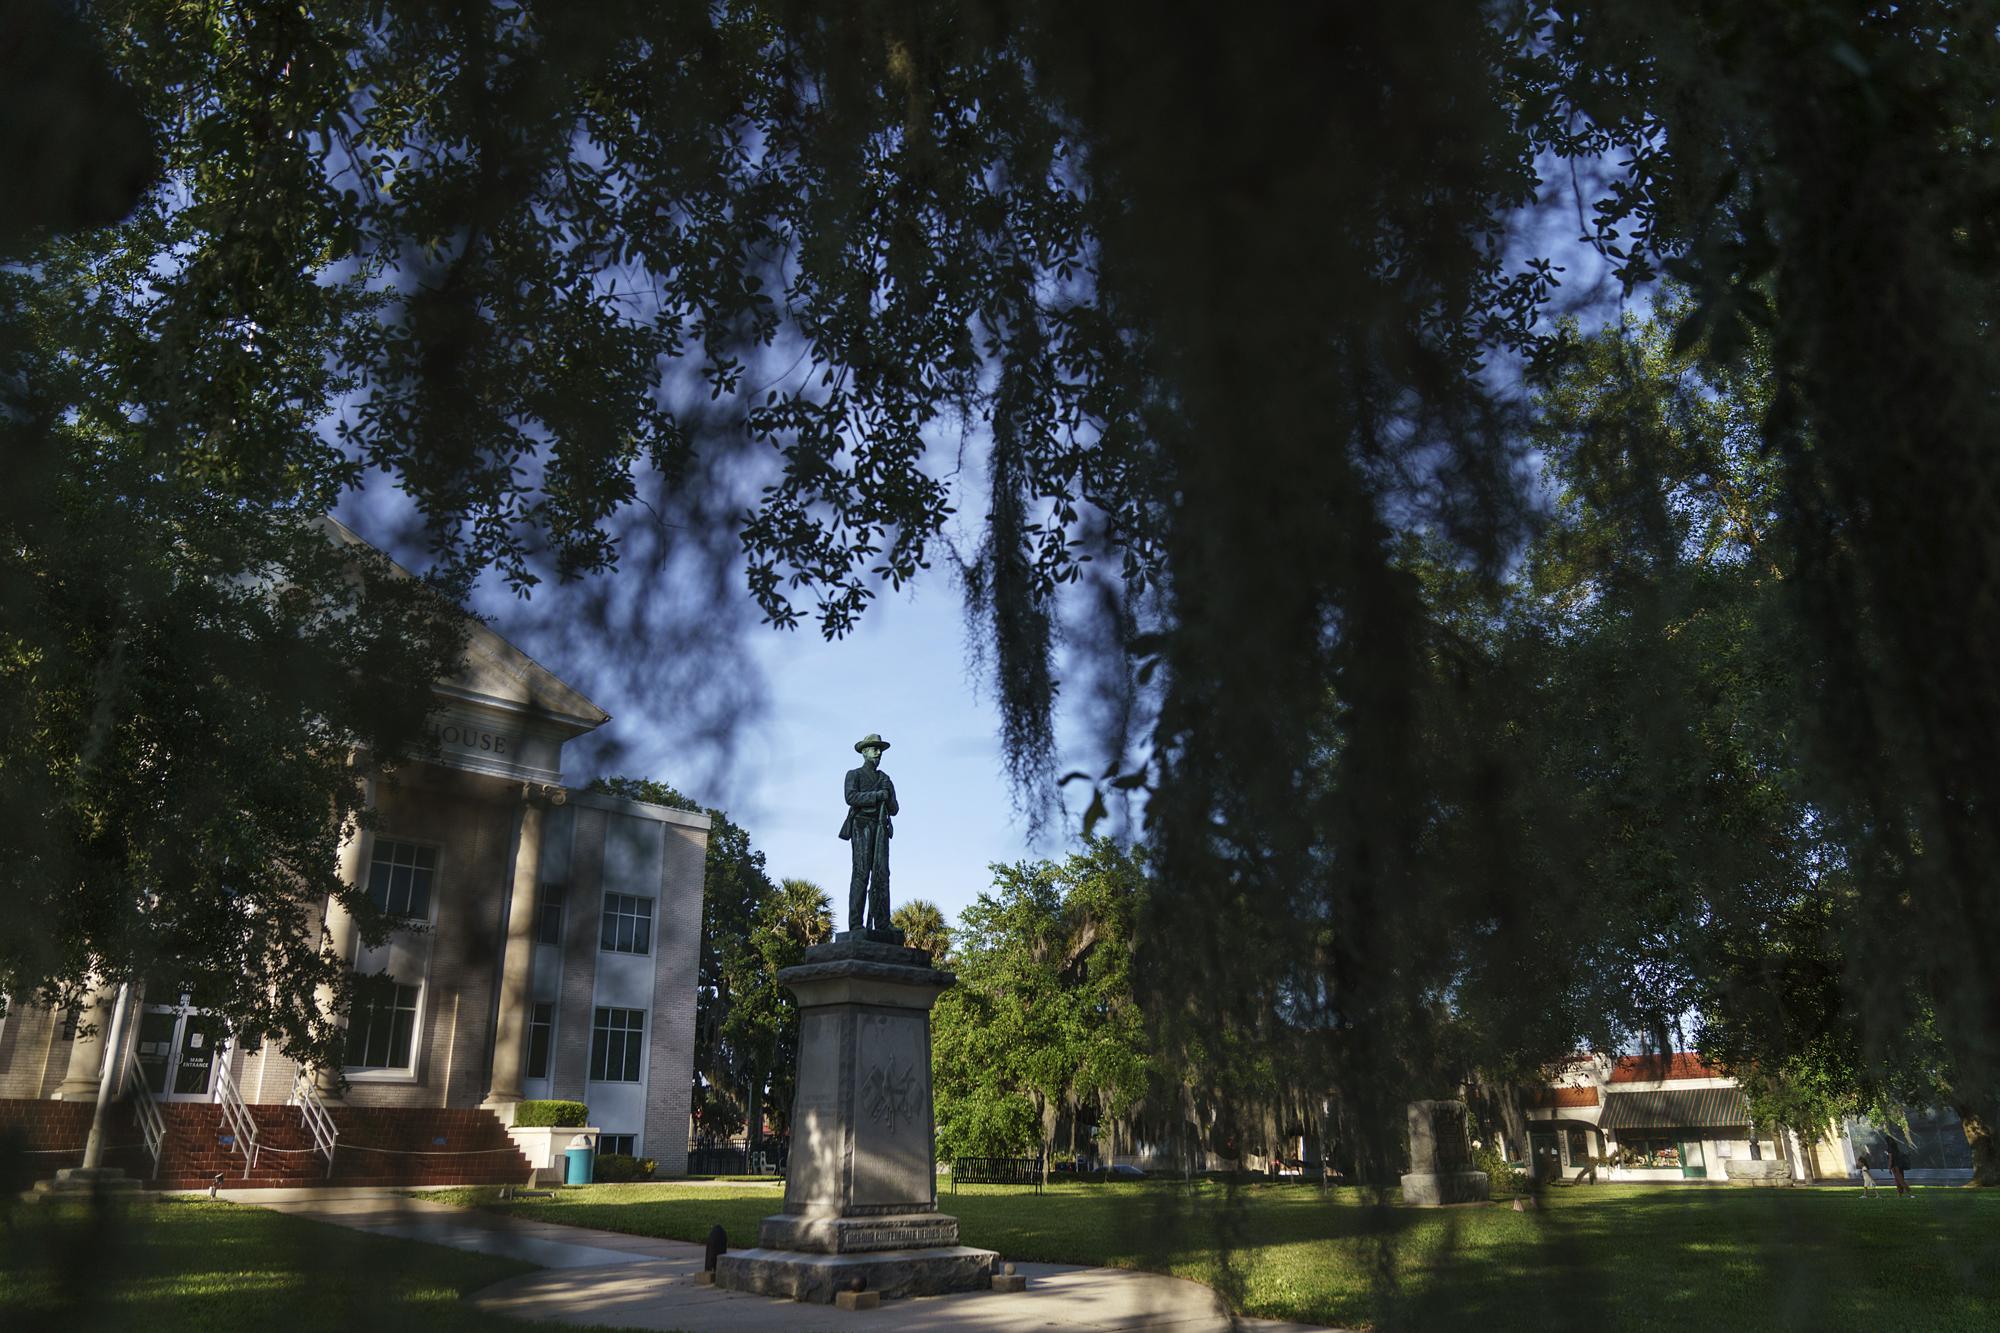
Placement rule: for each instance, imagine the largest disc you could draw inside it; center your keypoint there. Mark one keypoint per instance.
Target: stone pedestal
(861, 1183)
(1440, 1158)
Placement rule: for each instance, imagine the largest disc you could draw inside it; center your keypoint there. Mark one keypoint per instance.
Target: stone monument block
(1441, 1158)
(861, 1180)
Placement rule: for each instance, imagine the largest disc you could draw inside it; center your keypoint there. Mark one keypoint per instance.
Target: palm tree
(801, 911)
(923, 927)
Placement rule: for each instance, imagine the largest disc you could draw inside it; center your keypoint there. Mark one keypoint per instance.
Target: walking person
(1864, 1161)
(1899, 1161)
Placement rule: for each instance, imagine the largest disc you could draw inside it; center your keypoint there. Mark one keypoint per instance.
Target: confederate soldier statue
(871, 800)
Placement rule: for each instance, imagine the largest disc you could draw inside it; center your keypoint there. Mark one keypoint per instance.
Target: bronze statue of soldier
(871, 801)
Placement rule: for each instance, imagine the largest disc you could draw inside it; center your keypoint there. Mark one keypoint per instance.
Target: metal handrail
(146, 1111)
(237, 1115)
(318, 1120)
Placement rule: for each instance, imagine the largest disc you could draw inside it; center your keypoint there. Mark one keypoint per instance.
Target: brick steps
(388, 1146)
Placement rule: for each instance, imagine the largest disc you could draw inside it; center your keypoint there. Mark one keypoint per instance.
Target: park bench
(997, 1171)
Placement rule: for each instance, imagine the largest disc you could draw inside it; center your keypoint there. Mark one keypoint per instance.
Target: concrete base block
(1431, 1189)
(857, 1300)
(704, 1279)
(819, 1278)
(1761, 1171)
(84, 1181)
(858, 1235)
(1010, 1282)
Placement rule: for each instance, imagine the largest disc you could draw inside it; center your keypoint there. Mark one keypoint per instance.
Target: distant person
(1899, 1161)
(1864, 1162)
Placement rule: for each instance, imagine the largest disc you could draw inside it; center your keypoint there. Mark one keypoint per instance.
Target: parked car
(1123, 1171)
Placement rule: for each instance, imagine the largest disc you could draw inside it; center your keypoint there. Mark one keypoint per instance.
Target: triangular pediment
(496, 674)
(495, 671)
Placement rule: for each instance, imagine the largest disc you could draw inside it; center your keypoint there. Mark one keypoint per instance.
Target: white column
(93, 1148)
(86, 1053)
(340, 930)
(517, 964)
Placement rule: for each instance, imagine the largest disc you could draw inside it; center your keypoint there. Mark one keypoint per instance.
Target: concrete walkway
(602, 1277)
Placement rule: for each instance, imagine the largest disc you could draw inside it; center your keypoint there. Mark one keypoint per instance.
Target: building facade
(550, 948)
(1677, 1118)
(1646, 1117)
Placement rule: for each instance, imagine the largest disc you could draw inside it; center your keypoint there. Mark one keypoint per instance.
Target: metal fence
(718, 1162)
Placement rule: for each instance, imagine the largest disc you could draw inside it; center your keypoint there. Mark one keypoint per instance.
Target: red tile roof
(1648, 1068)
(1540, 1097)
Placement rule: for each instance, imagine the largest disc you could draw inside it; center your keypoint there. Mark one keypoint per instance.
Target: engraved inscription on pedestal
(857, 1235)
(886, 1234)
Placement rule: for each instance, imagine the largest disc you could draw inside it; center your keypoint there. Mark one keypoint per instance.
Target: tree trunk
(1324, 1115)
(1049, 1133)
(753, 1118)
(1980, 1136)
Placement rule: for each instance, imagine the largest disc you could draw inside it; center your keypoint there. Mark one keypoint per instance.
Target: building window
(1578, 1145)
(616, 1038)
(618, 1143)
(382, 1025)
(628, 924)
(541, 1036)
(1649, 1152)
(399, 878)
(549, 915)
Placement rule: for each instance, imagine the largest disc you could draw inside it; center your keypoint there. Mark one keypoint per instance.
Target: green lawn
(219, 1267)
(1609, 1256)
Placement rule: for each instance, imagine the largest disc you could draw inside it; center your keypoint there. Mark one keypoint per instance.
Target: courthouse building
(551, 947)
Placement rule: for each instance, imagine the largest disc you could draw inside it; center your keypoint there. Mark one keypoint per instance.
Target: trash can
(581, 1157)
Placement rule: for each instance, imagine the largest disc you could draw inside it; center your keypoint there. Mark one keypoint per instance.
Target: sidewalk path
(602, 1277)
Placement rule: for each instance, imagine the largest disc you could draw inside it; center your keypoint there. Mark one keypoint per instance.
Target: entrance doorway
(1694, 1164)
(1545, 1149)
(179, 1046)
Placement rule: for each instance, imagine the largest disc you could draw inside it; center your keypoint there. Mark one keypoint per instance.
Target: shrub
(561, 1115)
(1505, 1179)
(613, 1167)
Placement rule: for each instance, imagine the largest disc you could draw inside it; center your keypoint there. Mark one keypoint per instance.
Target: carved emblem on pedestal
(890, 1097)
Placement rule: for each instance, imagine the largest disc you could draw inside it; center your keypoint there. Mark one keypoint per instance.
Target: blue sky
(902, 674)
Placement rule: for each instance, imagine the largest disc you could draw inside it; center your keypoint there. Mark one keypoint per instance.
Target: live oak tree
(1670, 546)
(1044, 1022)
(1234, 304)
(1818, 177)
(194, 696)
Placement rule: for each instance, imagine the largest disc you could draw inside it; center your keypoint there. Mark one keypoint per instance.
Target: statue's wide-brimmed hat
(870, 739)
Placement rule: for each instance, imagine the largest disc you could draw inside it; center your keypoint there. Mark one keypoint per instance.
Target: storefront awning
(1685, 1108)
